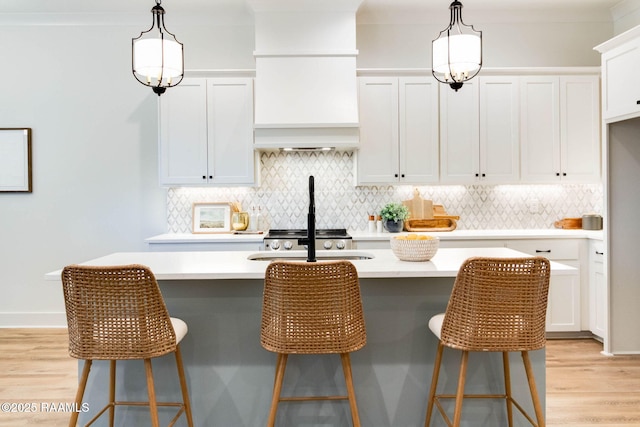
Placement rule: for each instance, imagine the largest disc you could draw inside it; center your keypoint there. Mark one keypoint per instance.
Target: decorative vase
(393, 226)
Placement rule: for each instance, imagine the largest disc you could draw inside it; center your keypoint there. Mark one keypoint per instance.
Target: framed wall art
(15, 160)
(212, 217)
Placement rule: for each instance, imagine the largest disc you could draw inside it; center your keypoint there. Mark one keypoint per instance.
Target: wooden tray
(435, 224)
(425, 216)
(569, 223)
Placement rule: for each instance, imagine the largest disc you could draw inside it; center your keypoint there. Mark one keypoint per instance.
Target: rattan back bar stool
(312, 308)
(118, 313)
(496, 305)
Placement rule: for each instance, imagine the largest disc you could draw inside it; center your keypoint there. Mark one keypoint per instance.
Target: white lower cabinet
(564, 303)
(564, 311)
(597, 290)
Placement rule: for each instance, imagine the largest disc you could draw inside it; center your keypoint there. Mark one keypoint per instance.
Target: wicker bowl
(414, 249)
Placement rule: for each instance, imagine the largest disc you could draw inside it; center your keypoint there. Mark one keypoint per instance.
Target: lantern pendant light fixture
(157, 56)
(457, 52)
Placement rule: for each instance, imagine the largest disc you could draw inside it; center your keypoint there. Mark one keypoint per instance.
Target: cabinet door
(378, 153)
(621, 91)
(597, 290)
(459, 134)
(580, 128)
(183, 134)
(540, 128)
(230, 130)
(563, 307)
(418, 130)
(499, 130)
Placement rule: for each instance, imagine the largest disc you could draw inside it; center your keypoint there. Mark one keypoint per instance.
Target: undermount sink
(323, 255)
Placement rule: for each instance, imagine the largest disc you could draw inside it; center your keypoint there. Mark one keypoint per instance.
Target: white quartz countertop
(553, 233)
(365, 235)
(217, 265)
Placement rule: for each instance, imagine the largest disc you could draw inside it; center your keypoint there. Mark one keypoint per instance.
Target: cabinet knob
(548, 251)
(484, 175)
(557, 173)
(477, 175)
(599, 253)
(564, 174)
(638, 102)
(402, 175)
(395, 175)
(204, 177)
(210, 176)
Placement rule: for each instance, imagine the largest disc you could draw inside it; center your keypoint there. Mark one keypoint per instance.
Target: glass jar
(239, 221)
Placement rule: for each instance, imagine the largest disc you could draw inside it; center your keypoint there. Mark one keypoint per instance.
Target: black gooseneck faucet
(310, 240)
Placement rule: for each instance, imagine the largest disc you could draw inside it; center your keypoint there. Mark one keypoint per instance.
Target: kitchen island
(230, 376)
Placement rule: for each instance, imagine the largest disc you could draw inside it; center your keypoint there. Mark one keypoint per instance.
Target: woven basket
(414, 250)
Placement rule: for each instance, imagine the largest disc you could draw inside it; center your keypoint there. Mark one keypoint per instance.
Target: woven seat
(496, 305)
(117, 313)
(312, 308)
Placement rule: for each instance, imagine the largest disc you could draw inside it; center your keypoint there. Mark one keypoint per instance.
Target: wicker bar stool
(117, 313)
(312, 308)
(496, 305)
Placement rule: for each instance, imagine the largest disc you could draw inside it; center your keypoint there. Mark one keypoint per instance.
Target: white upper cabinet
(206, 133)
(620, 90)
(479, 132)
(398, 130)
(560, 129)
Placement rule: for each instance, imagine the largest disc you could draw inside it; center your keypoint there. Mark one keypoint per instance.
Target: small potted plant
(393, 216)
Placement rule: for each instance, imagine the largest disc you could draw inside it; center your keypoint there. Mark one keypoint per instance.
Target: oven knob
(287, 244)
(275, 245)
(340, 244)
(328, 244)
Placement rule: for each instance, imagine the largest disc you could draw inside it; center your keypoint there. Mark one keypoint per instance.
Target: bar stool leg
(457, 415)
(434, 383)
(112, 391)
(183, 386)
(348, 378)
(532, 387)
(153, 407)
(281, 364)
(507, 387)
(73, 421)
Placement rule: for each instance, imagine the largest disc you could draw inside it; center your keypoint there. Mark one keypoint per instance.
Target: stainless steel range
(289, 239)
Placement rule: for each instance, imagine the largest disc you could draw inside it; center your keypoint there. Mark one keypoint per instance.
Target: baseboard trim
(33, 320)
(571, 335)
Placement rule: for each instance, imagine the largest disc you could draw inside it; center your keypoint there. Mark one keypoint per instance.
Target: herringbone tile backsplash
(283, 197)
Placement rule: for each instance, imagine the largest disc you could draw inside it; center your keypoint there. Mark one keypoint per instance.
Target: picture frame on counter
(15, 160)
(211, 217)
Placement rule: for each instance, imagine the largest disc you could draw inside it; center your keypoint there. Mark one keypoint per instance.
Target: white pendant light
(457, 52)
(157, 56)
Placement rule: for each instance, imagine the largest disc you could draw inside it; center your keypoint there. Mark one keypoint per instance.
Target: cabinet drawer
(596, 252)
(554, 249)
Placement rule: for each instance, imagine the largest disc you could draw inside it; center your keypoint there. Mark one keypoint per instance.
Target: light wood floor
(584, 388)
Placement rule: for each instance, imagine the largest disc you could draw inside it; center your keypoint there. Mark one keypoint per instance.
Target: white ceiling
(378, 6)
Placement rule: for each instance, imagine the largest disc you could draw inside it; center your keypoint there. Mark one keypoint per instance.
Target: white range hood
(306, 91)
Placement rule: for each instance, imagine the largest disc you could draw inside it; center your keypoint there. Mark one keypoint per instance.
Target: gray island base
(230, 376)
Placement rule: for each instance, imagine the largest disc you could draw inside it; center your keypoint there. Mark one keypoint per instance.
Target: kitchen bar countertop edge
(219, 265)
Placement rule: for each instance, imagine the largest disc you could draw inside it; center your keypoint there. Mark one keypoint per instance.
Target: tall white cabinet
(398, 130)
(560, 128)
(206, 132)
(479, 132)
(621, 152)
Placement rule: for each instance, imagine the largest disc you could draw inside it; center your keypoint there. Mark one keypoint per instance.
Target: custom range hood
(306, 91)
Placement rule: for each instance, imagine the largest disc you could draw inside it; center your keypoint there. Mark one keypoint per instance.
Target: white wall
(95, 187)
